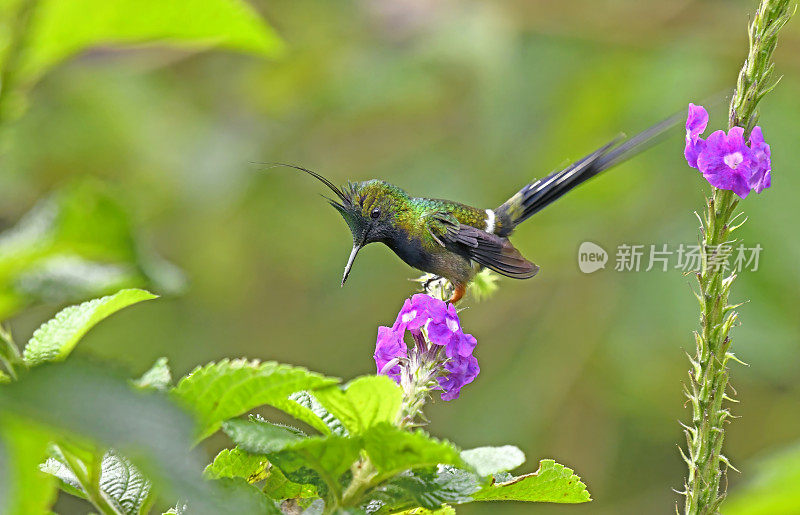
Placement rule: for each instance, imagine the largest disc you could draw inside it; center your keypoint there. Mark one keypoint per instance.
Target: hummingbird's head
(368, 208)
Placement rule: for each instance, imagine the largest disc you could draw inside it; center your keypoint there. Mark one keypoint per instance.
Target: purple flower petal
(440, 334)
(463, 345)
(435, 308)
(461, 371)
(761, 178)
(696, 123)
(417, 311)
(726, 162)
(389, 345)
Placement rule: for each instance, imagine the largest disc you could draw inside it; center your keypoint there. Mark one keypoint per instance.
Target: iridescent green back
(466, 215)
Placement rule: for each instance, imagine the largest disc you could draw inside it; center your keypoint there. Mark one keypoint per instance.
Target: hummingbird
(453, 240)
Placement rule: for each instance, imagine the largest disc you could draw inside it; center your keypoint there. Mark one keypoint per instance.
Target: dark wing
(489, 250)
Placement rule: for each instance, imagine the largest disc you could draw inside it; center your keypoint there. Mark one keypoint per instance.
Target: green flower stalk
(727, 163)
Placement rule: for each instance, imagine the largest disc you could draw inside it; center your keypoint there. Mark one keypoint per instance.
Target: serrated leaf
(158, 377)
(551, 483)
(24, 489)
(122, 484)
(305, 407)
(56, 338)
(491, 460)
(238, 463)
(394, 450)
(87, 400)
(60, 29)
(229, 388)
(363, 403)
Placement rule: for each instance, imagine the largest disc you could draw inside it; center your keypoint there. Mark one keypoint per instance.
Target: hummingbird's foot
(427, 284)
(459, 292)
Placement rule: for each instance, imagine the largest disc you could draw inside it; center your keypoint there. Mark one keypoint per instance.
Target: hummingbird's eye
(375, 213)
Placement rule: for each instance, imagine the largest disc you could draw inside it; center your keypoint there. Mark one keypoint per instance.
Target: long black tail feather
(540, 193)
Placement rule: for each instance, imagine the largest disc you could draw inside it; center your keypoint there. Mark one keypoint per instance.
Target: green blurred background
(461, 100)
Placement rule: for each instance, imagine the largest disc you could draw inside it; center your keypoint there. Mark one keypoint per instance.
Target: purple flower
(461, 370)
(761, 178)
(725, 160)
(389, 347)
(696, 123)
(443, 352)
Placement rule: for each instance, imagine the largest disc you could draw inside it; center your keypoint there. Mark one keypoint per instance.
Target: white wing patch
(490, 221)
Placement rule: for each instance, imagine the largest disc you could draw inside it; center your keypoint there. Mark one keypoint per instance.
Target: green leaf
(66, 478)
(220, 391)
(238, 463)
(490, 460)
(158, 377)
(107, 479)
(259, 436)
(328, 456)
(60, 28)
(304, 406)
(428, 488)
(81, 399)
(551, 483)
(279, 487)
(394, 450)
(55, 339)
(24, 489)
(124, 486)
(363, 403)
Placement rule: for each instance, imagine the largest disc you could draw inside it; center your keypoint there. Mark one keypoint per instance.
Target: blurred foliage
(80, 423)
(771, 488)
(38, 34)
(60, 29)
(461, 100)
(84, 402)
(75, 244)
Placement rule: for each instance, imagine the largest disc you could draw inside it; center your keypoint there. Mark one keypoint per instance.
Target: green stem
(708, 385)
(9, 352)
(364, 473)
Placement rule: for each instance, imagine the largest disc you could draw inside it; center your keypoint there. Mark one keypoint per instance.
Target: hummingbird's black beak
(349, 265)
